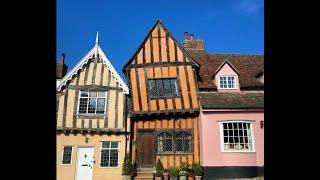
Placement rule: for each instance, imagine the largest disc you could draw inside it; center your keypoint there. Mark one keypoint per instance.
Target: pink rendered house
(231, 94)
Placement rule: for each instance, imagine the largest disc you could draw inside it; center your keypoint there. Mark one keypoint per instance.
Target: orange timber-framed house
(163, 104)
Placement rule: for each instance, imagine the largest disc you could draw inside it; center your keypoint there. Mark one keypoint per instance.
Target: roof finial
(97, 38)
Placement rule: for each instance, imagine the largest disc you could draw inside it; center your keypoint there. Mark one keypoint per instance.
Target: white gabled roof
(96, 50)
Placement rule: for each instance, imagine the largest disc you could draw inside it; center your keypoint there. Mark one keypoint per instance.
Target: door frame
(141, 131)
(77, 153)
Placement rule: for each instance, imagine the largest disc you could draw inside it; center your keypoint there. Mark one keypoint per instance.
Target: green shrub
(159, 169)
(159, 173)
(197, 169)
(184, 166)
(127, 165)
(173, 171)
(183, 173)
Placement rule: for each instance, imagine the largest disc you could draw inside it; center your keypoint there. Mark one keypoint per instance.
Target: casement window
(237, 136)
(227, 82)
(92, 102)
(109, 154)
(67, 152)
(174, 142)
(165, 142)
(164, 87)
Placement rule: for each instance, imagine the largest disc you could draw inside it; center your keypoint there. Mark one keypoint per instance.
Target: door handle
(84, 165)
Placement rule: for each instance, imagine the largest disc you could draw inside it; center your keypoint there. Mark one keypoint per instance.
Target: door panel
(146, 149)
(85, 163)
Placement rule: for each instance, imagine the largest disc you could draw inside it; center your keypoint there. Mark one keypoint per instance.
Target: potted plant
(127, 168)
(159, 170)
(190, 174)
(183, 175)
(165, 174)
(174, 172)
(197, 170)
(184, 166)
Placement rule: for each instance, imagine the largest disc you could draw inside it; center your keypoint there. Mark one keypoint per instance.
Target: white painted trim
(105, 103)
(251, 122)
(72, 147)
(84, 60)
(234, 82)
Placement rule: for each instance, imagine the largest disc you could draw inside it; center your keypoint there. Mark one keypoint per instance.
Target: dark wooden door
(146, 148)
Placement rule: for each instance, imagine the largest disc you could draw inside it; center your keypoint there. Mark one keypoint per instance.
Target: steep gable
(168, 49)
(86, 67)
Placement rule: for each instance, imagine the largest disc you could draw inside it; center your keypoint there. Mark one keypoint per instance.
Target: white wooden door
(85, 163)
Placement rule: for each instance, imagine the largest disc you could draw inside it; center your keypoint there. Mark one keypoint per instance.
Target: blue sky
(226, 26)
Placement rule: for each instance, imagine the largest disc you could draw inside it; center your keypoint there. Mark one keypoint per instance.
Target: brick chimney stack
(190, 43)
(186, 36)
(62, 68)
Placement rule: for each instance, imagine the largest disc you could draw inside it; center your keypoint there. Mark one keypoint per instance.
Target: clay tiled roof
(248, 67)
(232, 100)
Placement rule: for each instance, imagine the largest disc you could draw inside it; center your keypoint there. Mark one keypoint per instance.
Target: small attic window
(227, 82)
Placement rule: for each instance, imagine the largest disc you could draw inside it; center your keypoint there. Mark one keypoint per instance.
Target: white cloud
(250, 7)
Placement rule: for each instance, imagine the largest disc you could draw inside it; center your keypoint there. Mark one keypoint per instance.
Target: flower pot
(198, 177)
(126, 177)
(190, 176)
(183, 178)
(165, 176)
(158, 178)
(173, 178)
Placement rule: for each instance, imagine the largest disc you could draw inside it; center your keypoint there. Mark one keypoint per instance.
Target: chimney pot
(186, 36)
(63, 55)
(191, 36)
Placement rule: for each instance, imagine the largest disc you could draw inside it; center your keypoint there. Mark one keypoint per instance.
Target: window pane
(84, 94)
(93, 93)
(152, 88)
(83, 104)
(230, 132)
(167, 89)
(101, 106)
(225, 132)
(230, 125)
(225, 126)
(101, 93)
(226, 139)
(104, 158)
(92, 105)
(173, 87)
(114, 144)
(160, 88)
(113, 158)
(67, 150)
(106, 144)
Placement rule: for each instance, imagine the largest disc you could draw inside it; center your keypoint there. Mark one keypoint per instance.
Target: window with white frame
(67, 152)
(109, 154)
(227, 82)
(236, 136)
(92, 102)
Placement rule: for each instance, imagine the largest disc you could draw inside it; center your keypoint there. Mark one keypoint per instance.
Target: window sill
(252, 152)
(190, 153)
(109, 167)
(97, 116)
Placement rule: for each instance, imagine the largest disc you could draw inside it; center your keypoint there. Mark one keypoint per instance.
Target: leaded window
(109, 154)
(165, 142)
(67, 152)
(227, 82)
(183, 142)
(174, 142)
(237, 136)
(165, 87)
(92, 102)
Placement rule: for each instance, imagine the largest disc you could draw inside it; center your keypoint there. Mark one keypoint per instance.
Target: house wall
(153, 61)
(210, 150)
(67, 172)
(185, 123)
(93, 76)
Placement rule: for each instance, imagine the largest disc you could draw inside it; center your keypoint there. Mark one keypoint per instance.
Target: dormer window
(227, 82)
